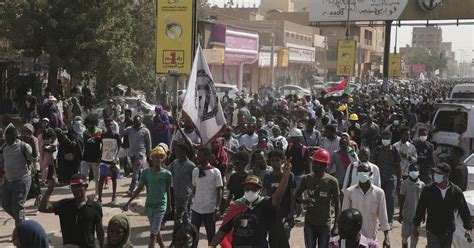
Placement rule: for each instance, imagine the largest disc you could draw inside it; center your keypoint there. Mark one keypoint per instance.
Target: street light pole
(272, 67)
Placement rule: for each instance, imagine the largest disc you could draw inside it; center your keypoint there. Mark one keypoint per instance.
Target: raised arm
(278, 195)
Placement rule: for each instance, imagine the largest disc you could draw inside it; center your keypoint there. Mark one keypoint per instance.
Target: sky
(461, 36)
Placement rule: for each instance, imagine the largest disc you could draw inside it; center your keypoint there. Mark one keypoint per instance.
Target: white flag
(201, 104)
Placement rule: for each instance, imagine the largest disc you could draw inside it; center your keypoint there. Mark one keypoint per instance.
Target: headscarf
(31, 234)
(160, 131)
(123, 221)
(220, 153)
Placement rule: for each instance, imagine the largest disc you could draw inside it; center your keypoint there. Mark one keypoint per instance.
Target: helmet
(353, 117)
(321, 155)
(295, 132)
(342, 108)
(350, 100)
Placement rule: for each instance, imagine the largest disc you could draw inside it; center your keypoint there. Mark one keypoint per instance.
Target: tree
(110, 39)
(432, 61)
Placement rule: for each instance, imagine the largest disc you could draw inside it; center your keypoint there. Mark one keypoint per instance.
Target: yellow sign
(346, 51)
(283, 56)
(395, 65)
(174, 36)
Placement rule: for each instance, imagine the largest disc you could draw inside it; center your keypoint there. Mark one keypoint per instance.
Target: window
(332, 55)
(451, 121)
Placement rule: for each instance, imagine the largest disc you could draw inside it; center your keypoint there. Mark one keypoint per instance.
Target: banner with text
(346, 52)
(395, 65)
(174, 36)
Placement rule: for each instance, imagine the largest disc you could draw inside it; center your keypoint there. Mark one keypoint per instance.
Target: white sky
(461, 36)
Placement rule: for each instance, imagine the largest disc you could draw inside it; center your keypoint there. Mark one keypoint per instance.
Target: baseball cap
(78, 179)
(442, 168)
(252, 180)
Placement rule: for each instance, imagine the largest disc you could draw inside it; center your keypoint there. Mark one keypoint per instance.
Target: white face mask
(423, 138)
(250, 196)
(363, 176)
(270, 123)
(386, 142)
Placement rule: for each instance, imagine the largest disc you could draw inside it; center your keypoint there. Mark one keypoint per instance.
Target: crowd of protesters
(341, 163)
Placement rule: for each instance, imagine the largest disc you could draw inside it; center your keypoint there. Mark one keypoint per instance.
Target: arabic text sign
(395, 65)
(346, 51)
(174, 41)
(360, 10)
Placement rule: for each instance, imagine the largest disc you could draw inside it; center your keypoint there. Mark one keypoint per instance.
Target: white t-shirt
(249, 141)
(205, 198)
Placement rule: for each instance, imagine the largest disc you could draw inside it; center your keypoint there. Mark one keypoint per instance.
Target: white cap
(295, 132)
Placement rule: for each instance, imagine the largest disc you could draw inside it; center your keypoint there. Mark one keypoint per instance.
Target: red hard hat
(321, 155)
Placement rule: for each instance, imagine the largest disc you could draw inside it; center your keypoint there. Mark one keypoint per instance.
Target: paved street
(139, 222)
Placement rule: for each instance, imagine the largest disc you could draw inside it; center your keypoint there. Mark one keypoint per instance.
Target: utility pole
(272, 56)
(386, 50)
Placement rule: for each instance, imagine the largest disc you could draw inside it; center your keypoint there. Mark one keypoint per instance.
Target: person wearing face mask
(253, 217)
(370, 201)
(388, 159)
(268, 127)
(440, 201)
(394, 128)
(349, 224)
(425, 152)
(323, 193)
(158, 183)
(410, 192)
(351, 178)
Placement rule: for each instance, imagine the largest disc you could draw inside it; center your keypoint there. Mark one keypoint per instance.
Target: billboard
(360, 10)
(382, 10)
(174, 36)
(395, 65)
(346, 51)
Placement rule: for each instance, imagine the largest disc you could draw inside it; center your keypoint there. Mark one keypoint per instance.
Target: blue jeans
(14, 196)
(319, 233)
(137, 162)
(389, 188)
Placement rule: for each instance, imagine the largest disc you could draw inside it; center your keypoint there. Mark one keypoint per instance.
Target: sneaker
(114, 201)
(129, 192)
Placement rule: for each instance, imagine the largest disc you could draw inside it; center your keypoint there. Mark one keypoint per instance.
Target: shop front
(301, 59)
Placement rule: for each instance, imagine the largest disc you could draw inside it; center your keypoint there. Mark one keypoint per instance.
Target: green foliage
(111, 39)
(432, 61)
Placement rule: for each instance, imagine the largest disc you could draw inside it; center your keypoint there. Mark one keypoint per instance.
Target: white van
(463, 92)
(453, 123)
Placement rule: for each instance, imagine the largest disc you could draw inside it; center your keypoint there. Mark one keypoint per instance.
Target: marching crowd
(341, 163)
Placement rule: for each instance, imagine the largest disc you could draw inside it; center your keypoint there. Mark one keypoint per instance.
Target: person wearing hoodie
(139, 141)
(118, 232)
(30, 233)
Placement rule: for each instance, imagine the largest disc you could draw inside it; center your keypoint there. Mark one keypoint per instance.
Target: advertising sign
(174, 36)
(240, 47)
(346, 51)
(301, 54)
(395, 65)
(283, 57)
(360, 10)
(264, 59)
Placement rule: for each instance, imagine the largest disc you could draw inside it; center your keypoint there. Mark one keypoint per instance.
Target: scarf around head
(123, 221)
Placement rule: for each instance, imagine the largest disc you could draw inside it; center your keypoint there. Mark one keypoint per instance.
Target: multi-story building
(428, 37)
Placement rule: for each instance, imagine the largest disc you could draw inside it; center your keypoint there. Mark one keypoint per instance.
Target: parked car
(293, 89)
(131, 101)
(459, 241)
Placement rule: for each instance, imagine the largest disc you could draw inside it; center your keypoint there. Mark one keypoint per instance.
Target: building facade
(428, 37)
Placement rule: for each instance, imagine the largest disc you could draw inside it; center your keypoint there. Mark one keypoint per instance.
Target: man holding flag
(251, 218)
